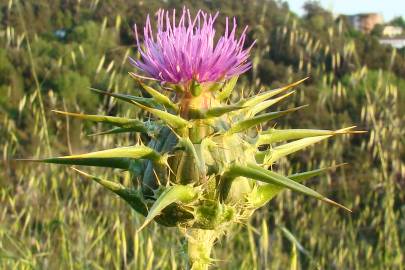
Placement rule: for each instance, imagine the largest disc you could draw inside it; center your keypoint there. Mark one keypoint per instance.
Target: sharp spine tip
(339, 165)
(80, 172)
(336, 204)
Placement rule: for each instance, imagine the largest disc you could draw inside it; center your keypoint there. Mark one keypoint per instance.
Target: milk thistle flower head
(185, 49)
(205, 160)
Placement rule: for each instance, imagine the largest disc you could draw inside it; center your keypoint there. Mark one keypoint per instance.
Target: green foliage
(73, 88)
(398, 21)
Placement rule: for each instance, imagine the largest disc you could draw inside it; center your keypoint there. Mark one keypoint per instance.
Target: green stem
(199, 246)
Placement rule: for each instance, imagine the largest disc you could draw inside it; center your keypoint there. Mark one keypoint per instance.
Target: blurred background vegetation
(52, 51)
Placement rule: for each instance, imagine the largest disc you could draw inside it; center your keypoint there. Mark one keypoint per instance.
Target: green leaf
(248, 123)
(134, 124)
(228, 88)
(278, 135)
(132, 197)
(170, 119)
(119, 130)
(258, 173)
(265, 193)
(303, 176)
(219, 111)
(172, 194)
(213, 112)
(112, 158)
(273, 154)
(253, 101)
(159, 97)
(266, 104)
(116, 163)
(130, 99)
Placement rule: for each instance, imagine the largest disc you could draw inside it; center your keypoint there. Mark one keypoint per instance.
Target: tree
(398, 21)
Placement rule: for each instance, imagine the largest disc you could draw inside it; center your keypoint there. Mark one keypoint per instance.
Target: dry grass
(51, 218)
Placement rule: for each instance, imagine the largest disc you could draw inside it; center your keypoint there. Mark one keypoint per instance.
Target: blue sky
(388, 8)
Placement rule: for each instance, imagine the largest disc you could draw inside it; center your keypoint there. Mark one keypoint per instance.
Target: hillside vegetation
(52, 52)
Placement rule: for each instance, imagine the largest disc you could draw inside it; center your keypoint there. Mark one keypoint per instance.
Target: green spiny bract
(200, 166)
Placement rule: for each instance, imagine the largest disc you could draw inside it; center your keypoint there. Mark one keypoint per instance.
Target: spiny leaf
(116, 163)
(132, 197)
(266, 104)
(170, 119)
(265, 193)
(248, 123)
(214, 112)
(125, 123)
(219, 111)
(159, 97)
(303, 176)
(278, 135)
(128, 98)
(113, 158)
(118, 130)
(228, 88)
(273, 154)
(253, 101)
(172, 194)
(258, 173)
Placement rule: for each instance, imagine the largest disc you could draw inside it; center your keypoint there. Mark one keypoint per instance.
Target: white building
(392, 31)
(394, 42)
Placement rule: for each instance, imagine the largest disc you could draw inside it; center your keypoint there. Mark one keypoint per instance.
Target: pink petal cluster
(186, 50)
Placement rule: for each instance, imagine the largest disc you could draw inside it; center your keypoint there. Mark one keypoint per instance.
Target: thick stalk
(199, 246)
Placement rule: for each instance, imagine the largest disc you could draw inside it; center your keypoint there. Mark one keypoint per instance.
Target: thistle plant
(203, 163)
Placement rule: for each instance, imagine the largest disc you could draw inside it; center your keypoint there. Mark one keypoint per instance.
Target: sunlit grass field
(52, 218)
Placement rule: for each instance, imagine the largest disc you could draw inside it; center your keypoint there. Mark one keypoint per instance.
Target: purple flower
(185, 50)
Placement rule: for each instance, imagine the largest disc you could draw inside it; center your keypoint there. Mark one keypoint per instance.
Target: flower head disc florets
(186, 50)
